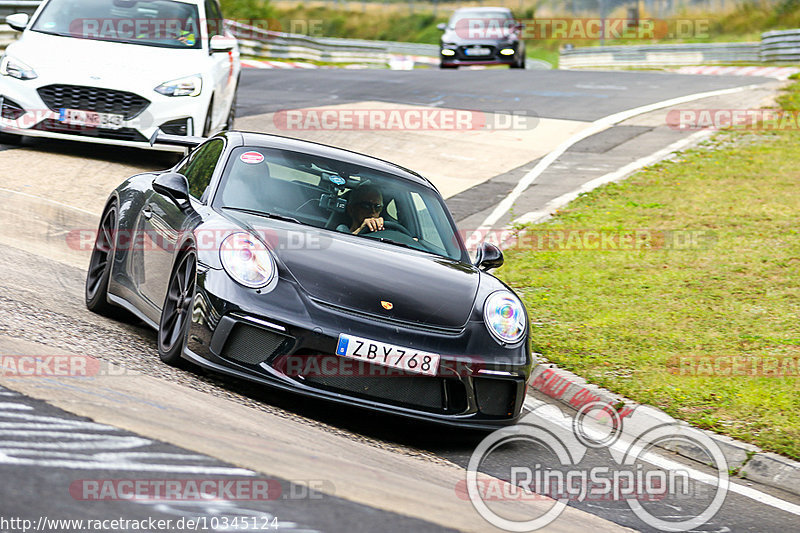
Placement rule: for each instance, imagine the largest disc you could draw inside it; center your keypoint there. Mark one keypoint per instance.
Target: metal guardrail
(259, 42)
(780, 46)
(660, 55)
(19, 6)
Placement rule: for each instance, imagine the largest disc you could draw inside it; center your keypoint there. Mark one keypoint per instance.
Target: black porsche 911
(481, 36)
(317, 270)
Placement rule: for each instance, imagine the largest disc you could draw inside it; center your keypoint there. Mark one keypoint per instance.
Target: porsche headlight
(247, 260)
(16, 69)
(188, 86)
(504, 317)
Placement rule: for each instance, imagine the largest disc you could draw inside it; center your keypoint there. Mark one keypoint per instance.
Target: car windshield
(480, 19)
(162, 23)
(337, 196)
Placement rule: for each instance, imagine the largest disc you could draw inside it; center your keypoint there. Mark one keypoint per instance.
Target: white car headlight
(16, 69)
(504, 317)
(247, 260)
(188, 86)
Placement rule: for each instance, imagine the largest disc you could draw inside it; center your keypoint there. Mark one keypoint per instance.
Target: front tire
(176, 314)
(231, 114)
(99, 273)
(11, 138)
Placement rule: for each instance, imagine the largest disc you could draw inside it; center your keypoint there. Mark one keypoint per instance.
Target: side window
(426, 222)
(199, 168)
(213, 19)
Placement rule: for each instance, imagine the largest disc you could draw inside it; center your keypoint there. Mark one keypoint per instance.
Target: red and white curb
(573, 392)
(780, 73)
(255, 63)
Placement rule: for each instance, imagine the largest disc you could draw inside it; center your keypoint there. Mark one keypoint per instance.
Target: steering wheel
(395, 226)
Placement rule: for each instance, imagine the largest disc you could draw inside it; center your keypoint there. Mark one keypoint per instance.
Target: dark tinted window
(199, 168)
(214, 19)
(326, 193)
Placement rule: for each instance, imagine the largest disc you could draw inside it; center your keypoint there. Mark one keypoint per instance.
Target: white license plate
(79, 117)
(477, 51)
(380, 353)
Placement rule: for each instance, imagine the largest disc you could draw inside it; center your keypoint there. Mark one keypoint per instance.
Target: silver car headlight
(504, 317)
(188, 86)
(247, 260)
(15, 68)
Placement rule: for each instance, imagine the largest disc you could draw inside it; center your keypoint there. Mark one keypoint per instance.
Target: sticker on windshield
(338, 180)
(251, 158)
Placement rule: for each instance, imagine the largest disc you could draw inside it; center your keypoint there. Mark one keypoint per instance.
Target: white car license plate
(477, 51)
(380, 353)
(79, 117)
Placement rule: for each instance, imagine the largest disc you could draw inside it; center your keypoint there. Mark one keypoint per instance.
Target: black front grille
(253, 345)
(10, 109)
(121, 134)
(123, 103)
(426, 393)
(495, 397)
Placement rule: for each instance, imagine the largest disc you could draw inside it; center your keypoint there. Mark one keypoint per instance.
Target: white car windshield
(162, 23)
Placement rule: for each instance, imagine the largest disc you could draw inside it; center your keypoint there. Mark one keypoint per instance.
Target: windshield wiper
(396, 243)
(265, 214)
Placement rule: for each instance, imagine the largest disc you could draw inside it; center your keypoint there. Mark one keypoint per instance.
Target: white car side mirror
(221, 43)
(18, 21)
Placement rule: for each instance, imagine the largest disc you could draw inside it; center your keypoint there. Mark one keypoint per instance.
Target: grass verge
(708, 331)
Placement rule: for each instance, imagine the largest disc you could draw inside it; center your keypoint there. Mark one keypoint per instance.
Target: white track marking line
(670, 465)
(595, 127)
(556, 203)
(50, 201)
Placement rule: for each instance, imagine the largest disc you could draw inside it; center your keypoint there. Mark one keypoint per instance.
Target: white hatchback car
(115, 71)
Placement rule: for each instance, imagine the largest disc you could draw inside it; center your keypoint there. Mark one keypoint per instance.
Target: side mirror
(18, 21)
(221, 43)
(441, 26)
(489, 257)
(174, 186)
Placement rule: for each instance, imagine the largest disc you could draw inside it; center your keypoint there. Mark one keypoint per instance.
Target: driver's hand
(370, 224)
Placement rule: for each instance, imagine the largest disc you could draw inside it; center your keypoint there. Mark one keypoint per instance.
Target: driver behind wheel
(364, 209)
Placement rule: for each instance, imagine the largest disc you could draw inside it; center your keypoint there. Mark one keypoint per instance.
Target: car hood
(51, 55)
(364, 277)
(460, 38)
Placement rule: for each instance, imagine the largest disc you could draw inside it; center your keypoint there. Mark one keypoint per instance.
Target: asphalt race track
(330, 469)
